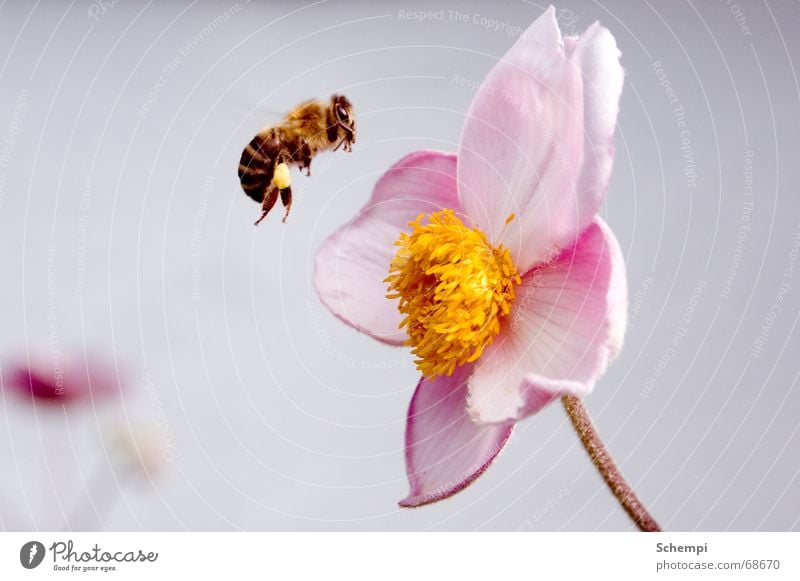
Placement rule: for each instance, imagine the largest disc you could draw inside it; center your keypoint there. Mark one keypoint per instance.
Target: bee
(309, 128)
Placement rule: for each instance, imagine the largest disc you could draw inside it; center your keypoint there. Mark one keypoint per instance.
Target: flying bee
(311, 127)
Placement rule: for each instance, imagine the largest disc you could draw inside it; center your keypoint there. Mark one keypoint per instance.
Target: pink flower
(512, 290)
(60, 381)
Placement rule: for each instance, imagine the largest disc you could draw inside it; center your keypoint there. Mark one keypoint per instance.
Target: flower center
(454, 287)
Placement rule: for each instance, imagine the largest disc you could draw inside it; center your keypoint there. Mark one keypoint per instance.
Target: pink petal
(353, 262)
(522, 147)
(61, 381)
(446, 450)
(597, 55)
(538, 140)
(567, 323)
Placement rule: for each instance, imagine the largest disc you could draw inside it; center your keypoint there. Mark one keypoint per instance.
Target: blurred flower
(511, 290)
(60, 381)
(136, 448)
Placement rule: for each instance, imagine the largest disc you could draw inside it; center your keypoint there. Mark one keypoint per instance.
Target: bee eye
(342, 113)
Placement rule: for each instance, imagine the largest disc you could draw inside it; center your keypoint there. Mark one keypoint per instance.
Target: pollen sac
(453, 287)
(282, 177)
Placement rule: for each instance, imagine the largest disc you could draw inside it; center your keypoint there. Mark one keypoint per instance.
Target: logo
(31, 554)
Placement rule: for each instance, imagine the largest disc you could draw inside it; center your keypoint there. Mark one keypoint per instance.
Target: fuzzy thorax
(454, 288)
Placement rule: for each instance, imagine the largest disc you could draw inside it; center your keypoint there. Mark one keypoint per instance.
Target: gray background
(275, 415)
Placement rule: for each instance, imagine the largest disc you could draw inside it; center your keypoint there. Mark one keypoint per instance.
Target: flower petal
(353, 262)
(567, 323)
(522, 147)
(446, 450)
(62, 381)
(597, 55)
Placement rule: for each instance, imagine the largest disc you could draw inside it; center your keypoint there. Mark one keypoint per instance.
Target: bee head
(343, 118)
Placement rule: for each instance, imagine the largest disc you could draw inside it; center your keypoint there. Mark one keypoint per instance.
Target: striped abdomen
(258, 164)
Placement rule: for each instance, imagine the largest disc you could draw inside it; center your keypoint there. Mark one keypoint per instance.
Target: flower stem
(605, 465)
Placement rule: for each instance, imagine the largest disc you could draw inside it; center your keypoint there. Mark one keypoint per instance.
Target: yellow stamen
(454, 288)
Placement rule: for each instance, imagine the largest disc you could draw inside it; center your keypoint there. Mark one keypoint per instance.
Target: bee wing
(240, 107)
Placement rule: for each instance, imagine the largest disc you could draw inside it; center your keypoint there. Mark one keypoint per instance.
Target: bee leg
(286, 198)
(307, 155)
(269, 200)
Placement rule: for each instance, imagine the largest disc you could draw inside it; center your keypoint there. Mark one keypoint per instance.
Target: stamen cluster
(454, 288)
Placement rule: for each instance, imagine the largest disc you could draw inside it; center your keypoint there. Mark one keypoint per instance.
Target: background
(126, 238)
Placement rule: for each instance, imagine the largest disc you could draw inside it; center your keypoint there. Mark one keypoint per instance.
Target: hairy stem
(605, 465)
